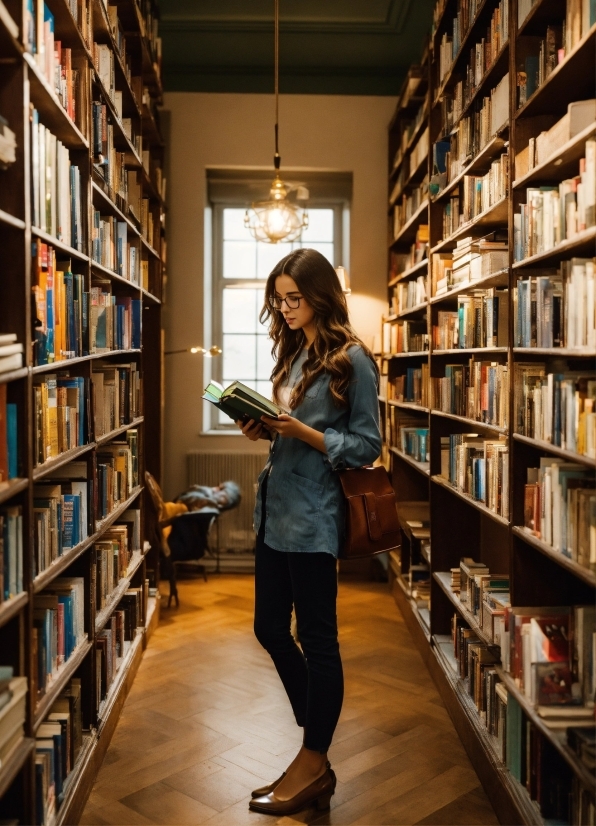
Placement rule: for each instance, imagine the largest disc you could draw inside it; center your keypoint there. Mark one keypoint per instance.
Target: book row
(13, 700)
(488, 115)
(478, 194)
(405, 337)
(559, 408)
(560, 509)
(479, 468)
(9, 448)
(478, 390)
(402, 261)
(11, 551)
(114, 641)
(471, 260)
(558, 309)
(406, 433)
(481, 320)
(405, 209)
(114, 552)
(408, 294)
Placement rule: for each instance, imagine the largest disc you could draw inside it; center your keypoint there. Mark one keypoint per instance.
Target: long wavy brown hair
(318, 283)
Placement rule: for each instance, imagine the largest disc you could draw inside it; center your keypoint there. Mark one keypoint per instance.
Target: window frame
(215, 284)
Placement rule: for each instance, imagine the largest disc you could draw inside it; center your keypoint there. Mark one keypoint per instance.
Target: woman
(328, 379)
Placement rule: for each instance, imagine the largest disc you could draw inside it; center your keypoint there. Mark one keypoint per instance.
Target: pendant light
(279, 218)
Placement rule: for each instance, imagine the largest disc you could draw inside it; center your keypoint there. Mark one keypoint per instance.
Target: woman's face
(286, 292)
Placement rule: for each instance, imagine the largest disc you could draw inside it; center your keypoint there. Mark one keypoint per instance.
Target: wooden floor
(207, 720)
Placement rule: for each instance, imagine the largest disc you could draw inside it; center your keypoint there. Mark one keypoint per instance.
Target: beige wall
(330, 132)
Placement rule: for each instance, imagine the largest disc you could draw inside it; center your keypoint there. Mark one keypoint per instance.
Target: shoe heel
(324, 802)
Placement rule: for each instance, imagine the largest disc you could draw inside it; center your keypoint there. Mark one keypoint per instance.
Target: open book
(240, 402)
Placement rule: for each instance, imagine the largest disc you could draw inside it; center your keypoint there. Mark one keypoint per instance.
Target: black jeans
(313, 680)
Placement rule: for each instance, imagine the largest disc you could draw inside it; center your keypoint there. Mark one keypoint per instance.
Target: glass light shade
(277, 219)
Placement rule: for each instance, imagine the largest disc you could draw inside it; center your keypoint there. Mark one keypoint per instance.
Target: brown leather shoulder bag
(372, 525)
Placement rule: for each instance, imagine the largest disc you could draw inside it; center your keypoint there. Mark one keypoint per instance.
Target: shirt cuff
(335, 444)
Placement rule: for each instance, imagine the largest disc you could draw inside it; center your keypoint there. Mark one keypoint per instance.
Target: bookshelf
(493, 93)
(82, 228)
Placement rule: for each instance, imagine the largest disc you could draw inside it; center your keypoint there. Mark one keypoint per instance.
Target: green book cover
(239, 401)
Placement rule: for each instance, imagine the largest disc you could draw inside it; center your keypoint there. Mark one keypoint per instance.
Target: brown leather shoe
(317, 794)
(267, 789)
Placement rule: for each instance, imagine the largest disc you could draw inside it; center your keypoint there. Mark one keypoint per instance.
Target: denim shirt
(304, 503)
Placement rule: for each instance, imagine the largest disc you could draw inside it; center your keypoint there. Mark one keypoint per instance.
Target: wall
(344, 133)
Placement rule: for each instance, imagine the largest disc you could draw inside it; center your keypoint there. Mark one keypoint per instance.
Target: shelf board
(557, 451)
(68, 456)
(568, 79)
(150, 297)
(415, 270)
(113, 276)
(135, 650)
(61, 563)
(462, 351)
(8, 23)
(480, 506)
(412, 311)
(14, 375)
(114, 598)
(107, 437)
(471, 422)
(421, 467)
(151, 250)
(542, 14)
(9, 608)
(12, 220)
(72, 780)
(575, 764)
(444, 580)
(15, 762)
(562, 164)
(58, 245)
(408, 406)
(65, 363)
(11, 488)
(65, 672)
(108, 520)
(408, 231)
(413, 354)
(492, 217)
(555, 351)
(585, 574)
(583, 241)
(487, 154)
(52, 113)
(495, 279)
(113, 207)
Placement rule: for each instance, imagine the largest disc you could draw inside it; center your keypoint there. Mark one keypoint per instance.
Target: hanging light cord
(277, 157)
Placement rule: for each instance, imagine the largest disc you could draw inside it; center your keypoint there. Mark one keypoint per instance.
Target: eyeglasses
(292, 302)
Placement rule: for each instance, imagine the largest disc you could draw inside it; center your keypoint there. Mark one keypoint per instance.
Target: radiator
(203, 468)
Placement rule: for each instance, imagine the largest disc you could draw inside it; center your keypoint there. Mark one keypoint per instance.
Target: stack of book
(580, 115)
(412, 387)
(11, 551)
(554, 214)
(478, 390)
(112, 249)
(117, 472)
(408, 294)
(405, 337)
(61, 511)
(9, 448)
(59, 627)
(58, 743)
(473, 259)
(116, 396)
(13, 698)
(61, 419)
(114, 321)
(56, 187)
(61, 307)
(441, 273)
(560, 508)
(479, 468)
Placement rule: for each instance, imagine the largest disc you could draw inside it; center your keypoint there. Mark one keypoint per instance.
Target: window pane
(320, 227)
(233, 225)
(268, 255)
(239, 358)
(264, 357)
(324, 249)
(240, 310)
(239, 259)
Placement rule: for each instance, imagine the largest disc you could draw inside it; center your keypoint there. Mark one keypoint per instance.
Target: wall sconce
(344, 280)
(212, 351)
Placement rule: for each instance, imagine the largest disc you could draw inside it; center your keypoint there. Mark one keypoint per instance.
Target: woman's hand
(287, 426)
(254, 430)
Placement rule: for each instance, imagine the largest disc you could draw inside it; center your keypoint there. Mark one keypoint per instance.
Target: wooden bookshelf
(132, 112)
(461, 525)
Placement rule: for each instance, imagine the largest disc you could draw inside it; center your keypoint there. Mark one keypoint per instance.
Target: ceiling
(349, 47)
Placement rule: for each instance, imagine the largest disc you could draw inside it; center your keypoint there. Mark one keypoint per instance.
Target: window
(240, 267)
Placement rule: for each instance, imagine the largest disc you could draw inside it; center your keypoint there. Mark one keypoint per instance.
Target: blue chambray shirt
(304, 503)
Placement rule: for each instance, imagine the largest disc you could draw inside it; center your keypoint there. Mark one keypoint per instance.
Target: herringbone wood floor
(207, 720)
